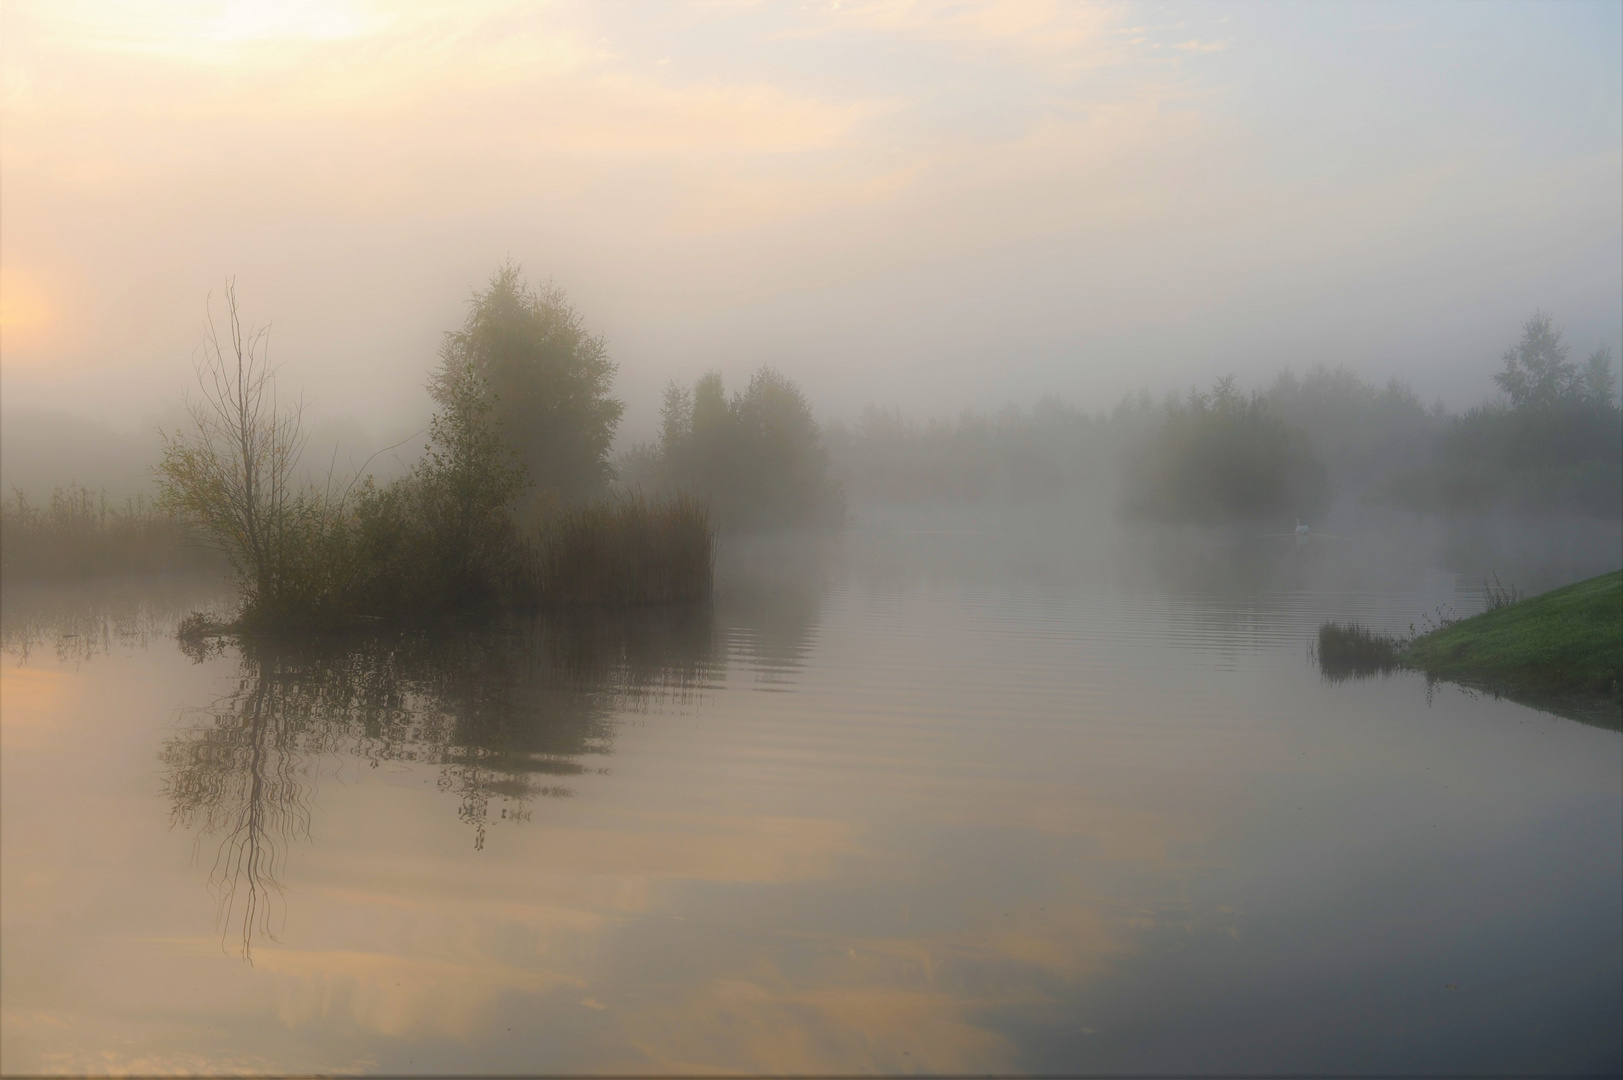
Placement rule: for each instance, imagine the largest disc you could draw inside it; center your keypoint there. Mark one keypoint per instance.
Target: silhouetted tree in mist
(1009, 456)
(1538, 375)
(443, 535)
(1599, 382)
(1364, 434)
(1223, 456)
(232, 472)
(757, 456)
(1553, 444)
(547, 380)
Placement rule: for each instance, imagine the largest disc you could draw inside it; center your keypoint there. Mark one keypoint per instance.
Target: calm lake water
(955, 792)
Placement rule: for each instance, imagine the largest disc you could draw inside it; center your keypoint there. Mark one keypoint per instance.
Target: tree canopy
(758, 456)
(1223, 456)
(547, 380)
(1538, 375)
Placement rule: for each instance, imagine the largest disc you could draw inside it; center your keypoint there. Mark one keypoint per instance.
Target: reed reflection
(75, 622)
(504, 711)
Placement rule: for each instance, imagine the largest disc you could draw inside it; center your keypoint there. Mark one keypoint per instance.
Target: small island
(1561, 651)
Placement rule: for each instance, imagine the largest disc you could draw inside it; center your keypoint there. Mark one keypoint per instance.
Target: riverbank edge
(1560, 651)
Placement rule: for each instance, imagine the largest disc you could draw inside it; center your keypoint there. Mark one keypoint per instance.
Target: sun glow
(25, 312)
(215, 32)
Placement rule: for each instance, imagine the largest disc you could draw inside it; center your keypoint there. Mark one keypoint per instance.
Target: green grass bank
(1562, 650)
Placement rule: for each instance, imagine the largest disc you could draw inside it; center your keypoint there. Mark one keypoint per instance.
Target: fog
(887, 537)
(926, 207)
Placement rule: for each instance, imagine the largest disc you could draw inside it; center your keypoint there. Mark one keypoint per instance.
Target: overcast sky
(931, 204)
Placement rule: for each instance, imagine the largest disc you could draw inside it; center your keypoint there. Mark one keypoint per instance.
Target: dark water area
(955, 791)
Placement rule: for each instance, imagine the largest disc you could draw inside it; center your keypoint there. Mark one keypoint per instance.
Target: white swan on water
(1301, 533)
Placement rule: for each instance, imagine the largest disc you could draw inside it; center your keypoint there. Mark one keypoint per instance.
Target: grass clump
(1348, 650)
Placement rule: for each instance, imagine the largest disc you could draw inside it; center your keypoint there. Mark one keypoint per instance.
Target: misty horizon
(1020, 200)
(834, 538)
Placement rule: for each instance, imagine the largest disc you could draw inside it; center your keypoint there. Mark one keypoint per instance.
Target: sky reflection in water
(930, 799)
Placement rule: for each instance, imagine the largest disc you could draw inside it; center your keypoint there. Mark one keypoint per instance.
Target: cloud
(1041, 27)
(1195, 45)
(690, 168)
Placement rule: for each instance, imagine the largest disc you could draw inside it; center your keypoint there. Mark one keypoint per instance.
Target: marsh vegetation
(1348, 650)
(77, 532)
(467, 528)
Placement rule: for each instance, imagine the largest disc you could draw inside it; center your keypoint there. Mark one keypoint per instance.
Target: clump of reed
(1499, 595)
(622, 551)
(1348, 650)
(80, 533)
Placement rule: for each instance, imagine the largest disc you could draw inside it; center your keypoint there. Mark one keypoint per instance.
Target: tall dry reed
(625, 550)
(82, 533)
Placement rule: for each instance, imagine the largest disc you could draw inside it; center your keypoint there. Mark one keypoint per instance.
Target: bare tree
(233, 470)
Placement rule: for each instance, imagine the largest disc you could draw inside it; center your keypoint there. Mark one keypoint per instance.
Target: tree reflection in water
(504, 710)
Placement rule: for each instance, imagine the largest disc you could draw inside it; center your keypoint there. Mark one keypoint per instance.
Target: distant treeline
(756, 457)
(1552, 443)
(516, 498)
(1051, 451)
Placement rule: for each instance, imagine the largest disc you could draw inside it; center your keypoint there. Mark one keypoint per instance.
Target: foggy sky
(930, 204)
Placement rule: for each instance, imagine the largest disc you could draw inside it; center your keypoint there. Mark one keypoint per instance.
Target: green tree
(1537, 372)
(232, 470)
(1598, 381)
(545, 377)
(1553, 447)
(1223, 456)
(464, 485)
(757, 456)
(443, 536)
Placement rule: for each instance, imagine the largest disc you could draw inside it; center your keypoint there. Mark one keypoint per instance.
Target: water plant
(1349, 650)
(1499, 595)
(623, 550)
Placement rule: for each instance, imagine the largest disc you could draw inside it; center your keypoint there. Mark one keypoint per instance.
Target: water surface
(950, 793)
